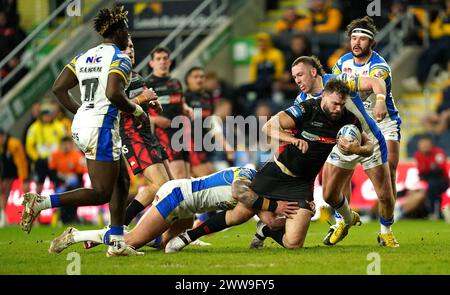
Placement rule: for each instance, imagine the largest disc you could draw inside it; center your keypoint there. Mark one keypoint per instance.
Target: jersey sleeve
(380, 70)
(244, 174)
(72, 64)
(352, 83)
(337, 69)
(121, 64)
(296, 112)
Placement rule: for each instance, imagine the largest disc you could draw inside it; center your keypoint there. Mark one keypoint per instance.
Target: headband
(362, 32)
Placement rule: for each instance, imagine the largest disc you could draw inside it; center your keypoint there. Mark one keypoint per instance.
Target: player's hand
(301, 145)
(188, 111)
(380, 110)
(286, 208)
(161, 122)
(348, 147)
(148, 95)
(142, 119)
(156, 106)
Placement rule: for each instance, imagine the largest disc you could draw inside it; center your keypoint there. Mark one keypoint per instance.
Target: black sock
(277, 235)
(213, 224)
(133, 209)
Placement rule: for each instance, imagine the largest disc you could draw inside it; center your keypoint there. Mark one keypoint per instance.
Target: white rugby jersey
(375, 66)
(203, 194)
(92, 69)
(354, 104)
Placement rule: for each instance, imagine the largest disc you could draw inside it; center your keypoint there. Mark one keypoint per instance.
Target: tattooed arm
(244, 194)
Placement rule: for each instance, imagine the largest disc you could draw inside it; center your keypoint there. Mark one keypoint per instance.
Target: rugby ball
(350, 132)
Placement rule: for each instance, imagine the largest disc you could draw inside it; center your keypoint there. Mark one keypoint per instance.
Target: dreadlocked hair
(107, 21)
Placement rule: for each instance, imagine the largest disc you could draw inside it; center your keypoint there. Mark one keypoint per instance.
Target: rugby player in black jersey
(140, 146)
(170, 96)
(197, 98)
(290, 177)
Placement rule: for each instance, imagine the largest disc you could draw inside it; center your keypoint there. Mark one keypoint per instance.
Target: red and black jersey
(128, 122)
(140, 146)
(315, 127)
(202, 100)
(170, 95)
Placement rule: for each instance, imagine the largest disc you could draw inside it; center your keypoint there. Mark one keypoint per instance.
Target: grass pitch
(424, 249)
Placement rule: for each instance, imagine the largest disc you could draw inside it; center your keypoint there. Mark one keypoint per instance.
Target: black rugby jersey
(170, 95)
(313, 126)
(201, 100)
(128, 122)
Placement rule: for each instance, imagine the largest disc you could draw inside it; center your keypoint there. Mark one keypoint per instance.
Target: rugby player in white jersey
(338, 170)
(103, 74)
(176, 201)
(364, 61)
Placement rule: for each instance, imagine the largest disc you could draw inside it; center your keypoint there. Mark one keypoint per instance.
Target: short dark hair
(337, 86)
(363, 23)
(107, 21)
(426, 136)
(312, 61)
(189, 72)
(66, 139)
(159, 49)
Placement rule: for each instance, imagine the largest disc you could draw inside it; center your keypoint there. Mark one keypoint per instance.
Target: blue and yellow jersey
(354, 104)
(92, 69)
(182, 198)
(375, 66)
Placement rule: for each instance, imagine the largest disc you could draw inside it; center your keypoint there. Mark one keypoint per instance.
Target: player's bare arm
(116, 94)
(66, 81)
(365, 149)
(150, 96)
(276, 127)
(378, 86)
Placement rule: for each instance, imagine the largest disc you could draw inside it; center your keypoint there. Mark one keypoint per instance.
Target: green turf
(425, 249)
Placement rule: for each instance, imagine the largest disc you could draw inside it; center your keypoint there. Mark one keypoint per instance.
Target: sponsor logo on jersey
(321, 139)
(317, 124)
(136, 92)
(334, 156)
(94, 59)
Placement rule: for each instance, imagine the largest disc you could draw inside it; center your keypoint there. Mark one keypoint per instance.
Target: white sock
(385, 229)
(45, 204)
(89, 235)
(337, 216)
(2, 218)
(345, 211)
(116, 237)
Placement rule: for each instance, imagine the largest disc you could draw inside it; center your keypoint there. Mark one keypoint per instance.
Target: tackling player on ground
(176, 200)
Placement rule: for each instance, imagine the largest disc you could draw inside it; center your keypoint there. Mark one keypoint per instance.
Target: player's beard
(333, 117)
(364, 52)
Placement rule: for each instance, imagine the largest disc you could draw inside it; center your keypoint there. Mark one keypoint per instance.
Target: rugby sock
(116, 233)
(277, 235)
(337, 216)
(54, 200)
(214, 224)
(344, 210)
(47, 202)
(386, 224)
(133, 209)
(89, 235)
